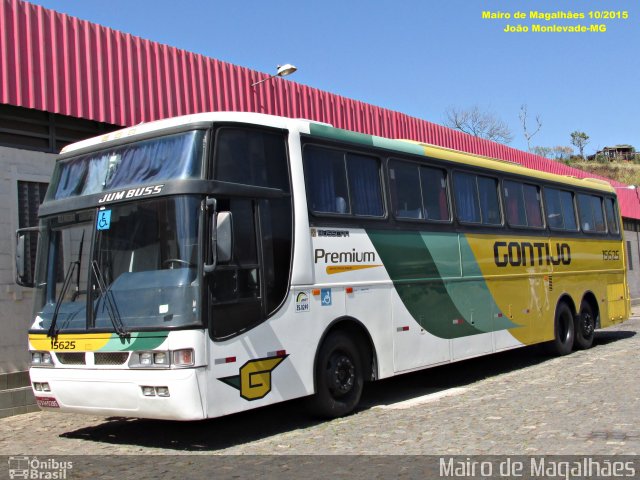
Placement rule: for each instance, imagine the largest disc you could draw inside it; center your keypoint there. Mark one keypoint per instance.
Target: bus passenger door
(253, 285)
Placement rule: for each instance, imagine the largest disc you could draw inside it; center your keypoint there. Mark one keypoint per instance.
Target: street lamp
(282, 71)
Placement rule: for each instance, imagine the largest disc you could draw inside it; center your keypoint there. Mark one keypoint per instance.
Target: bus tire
(585, 326)
(339, 377)
(564, 330)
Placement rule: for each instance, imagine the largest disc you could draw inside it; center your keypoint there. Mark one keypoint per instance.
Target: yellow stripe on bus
(86, 342)
(347, 268)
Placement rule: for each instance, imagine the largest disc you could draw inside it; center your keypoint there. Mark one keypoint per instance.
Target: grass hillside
(624, 172)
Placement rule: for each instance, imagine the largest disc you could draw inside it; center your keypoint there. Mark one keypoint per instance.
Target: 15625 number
(608, 255)
(63, 344)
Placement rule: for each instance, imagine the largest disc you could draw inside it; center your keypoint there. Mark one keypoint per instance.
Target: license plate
(47, 402)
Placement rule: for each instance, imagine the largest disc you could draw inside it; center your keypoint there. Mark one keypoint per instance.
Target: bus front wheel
(585, 326)
(339, 377)
(564, 330)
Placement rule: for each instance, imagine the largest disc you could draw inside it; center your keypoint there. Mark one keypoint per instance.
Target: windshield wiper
(109, 302)
(79, 261)
(65, 286)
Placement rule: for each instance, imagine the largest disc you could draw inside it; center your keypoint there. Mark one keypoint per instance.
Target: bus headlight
(145, 358)
(163, 359)
(149, 360)
(41, 359)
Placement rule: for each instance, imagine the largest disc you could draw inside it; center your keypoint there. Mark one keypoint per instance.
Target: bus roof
(455, 156)
(327, 131)
(147, 128)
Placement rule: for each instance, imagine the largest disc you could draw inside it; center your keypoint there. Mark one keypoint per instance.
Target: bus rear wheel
(339, 377)
(564, 330)
(585, 326)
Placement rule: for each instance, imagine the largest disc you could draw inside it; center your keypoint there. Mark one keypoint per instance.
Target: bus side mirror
(224, 244)
(221, 238)
(21, 258)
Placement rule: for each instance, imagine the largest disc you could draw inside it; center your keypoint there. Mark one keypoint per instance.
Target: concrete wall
(15, 301)
(632, 245)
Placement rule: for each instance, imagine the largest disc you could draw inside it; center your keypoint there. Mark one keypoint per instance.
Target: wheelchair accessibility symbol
(104, 220)
(325, 297)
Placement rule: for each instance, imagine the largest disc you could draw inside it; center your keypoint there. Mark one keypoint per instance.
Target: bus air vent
(71, 358)
(110, 358)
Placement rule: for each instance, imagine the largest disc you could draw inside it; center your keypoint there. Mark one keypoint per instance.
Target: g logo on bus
(254, 381)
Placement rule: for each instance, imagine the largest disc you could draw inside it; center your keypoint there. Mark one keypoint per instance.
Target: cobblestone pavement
(518, 402)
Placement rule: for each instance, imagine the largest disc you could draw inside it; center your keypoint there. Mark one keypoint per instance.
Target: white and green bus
(209, 264)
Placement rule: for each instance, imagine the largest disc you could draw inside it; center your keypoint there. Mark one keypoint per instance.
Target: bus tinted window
(326, 180)
(434, 193)
(252, 157)
(170, 157)
(364, 186)
(590, 211)
(612, 216)
(477, 199)
(561, 214)
(342, 183)
(522, 202)
(467, 204)
(418, 192)
(568, 211)
(405, 190)
(489, 204)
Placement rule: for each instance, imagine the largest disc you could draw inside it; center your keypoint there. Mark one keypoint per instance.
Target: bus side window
(343, 183)
(489, 203)
(405, 190)
(612, 217)
(434, 193)
(364, 185)
(561, 214)
(591, 215)
(568, 211)
(326, 180)
(467, 207)
(553, 208)
(522, 203)
(477, 199)
(418, 192)
(251, 157)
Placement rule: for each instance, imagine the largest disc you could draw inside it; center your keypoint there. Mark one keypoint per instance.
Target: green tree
(579, 140)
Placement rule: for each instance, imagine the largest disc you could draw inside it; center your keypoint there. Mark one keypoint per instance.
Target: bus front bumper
(161, 394)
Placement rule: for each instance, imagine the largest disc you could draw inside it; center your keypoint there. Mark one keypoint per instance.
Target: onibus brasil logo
(49, 469)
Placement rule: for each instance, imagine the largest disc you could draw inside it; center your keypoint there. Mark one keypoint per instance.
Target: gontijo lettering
(525, 253)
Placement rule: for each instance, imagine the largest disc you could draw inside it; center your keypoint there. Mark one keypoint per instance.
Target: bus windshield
(171, 157)
(134, 264)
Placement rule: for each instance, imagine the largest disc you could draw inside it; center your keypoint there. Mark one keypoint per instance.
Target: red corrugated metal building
(57, 63)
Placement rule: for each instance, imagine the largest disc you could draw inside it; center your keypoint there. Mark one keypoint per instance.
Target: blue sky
(416, 56)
